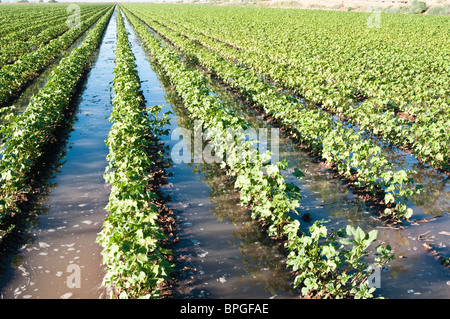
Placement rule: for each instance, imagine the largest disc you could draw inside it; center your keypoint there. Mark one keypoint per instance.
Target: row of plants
(405, 59)
(374, 82)
(27, 135)
(131, 234)
(344, 147)
(13, 18)
(326, 263)
(32, 38)
(13, 77)
(22, 24)
(33, 27)
(426, 136)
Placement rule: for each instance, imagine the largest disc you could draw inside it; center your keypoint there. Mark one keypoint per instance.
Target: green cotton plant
(398, 190)
(332, 265)
(433, 139)
(338, 147)
(36, 33)
(271, 198)
(372, 166)
(267, 193)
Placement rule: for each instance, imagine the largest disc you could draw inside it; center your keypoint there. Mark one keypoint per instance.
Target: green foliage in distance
(344, 147)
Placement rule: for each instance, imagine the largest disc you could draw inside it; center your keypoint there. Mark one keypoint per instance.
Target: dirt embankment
(341, 5)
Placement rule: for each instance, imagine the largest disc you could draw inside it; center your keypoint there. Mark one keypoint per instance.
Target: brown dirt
(335, 5)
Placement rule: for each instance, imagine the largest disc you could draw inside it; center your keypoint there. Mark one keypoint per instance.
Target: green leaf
(298, 173)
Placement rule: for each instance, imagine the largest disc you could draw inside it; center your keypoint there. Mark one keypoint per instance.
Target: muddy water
(61, 258)
(418, 274)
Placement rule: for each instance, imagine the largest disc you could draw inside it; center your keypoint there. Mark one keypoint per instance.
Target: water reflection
(262, 257)
(247, 265)
(435, 199)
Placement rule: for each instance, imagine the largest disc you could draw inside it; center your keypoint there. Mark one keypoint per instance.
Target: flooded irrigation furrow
(435, 183)
(25, 96)
(61, 258)
(221, 253)
(419, 244)
(38, 80)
